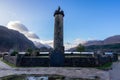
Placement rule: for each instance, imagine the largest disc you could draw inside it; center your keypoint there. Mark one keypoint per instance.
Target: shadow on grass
(106, 66)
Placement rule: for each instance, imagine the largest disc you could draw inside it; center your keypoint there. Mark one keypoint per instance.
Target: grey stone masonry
(58, 30)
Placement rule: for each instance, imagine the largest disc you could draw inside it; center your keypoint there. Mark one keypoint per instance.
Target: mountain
(11, 39)
(18, 26)
(112, 40)
(107, 48)
(74, 49)
(109, 44)
(94, 42)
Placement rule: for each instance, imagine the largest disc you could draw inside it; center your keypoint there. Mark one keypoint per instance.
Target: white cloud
(76, 42)
(79, 41)
(32, 35)
(47, 42)
(17, 25)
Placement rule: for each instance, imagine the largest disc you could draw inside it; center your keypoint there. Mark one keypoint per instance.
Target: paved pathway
(68, 72)
(115, 72)
(4, 65)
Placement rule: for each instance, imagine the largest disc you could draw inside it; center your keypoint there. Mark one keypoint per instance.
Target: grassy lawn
(14, 77)
(106, 66)
(10, 64)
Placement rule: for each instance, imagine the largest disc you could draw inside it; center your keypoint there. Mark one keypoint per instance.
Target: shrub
(14, 53)
(27, 54)
(37, 53)
(29, 51)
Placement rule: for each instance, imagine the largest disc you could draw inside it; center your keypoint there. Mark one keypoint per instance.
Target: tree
(36, 53)
(80, 48)
(14, 53)
(30, 51)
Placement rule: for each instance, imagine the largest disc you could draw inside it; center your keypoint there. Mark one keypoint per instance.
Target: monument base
(57, 59)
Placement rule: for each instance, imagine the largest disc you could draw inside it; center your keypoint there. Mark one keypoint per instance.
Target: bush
(27, 54)
(14, 53)
(29, 51)
(37, 53)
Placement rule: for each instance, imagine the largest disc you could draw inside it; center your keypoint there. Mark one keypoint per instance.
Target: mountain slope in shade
(112, 39)
(94, 42)
(11, 39)
(109, 44)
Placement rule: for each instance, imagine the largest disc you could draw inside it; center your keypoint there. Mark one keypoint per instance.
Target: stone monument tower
(58, 30)
(57, 56)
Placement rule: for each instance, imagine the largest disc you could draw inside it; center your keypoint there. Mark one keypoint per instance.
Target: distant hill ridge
(109, 44)
(110, 40)
(11, 39)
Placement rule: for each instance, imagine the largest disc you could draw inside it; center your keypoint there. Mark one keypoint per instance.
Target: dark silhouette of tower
(57, 56)
(58, 31)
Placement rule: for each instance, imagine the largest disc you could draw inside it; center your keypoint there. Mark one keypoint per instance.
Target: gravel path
(68, 72)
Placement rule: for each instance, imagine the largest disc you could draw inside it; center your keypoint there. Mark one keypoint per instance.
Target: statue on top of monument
(59, 8)
(59, 11)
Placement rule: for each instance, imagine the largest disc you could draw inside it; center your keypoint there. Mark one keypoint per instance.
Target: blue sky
(84, 19)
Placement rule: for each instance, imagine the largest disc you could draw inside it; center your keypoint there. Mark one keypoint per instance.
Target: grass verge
(106, 66)
(10, 64)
